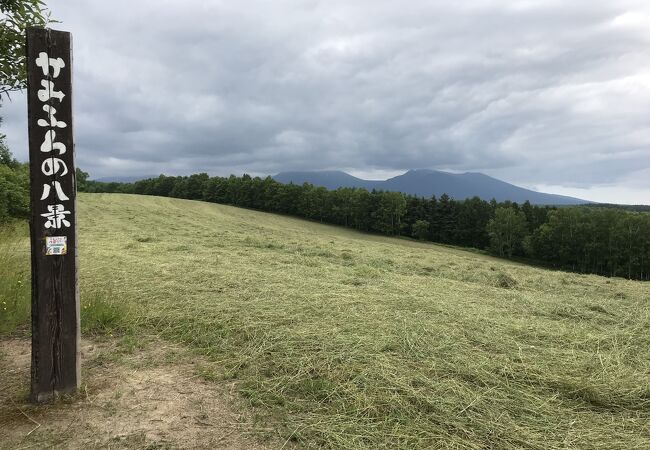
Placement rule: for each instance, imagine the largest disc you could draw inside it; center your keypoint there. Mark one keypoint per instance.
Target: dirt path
(133, 396)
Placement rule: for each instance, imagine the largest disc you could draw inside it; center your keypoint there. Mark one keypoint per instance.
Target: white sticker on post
(56, 245)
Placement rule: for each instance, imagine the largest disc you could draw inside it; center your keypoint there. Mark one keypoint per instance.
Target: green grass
(101, 312)
(15, 287)
(344, 340)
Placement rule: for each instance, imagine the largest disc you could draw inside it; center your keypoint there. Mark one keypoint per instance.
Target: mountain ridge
(428, 182)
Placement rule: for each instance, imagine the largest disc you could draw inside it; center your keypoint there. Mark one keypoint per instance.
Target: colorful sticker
(56, 245)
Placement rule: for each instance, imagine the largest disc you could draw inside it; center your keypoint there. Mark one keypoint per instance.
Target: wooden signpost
(55, 291)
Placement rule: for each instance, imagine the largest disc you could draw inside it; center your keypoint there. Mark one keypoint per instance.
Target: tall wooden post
(53, 225)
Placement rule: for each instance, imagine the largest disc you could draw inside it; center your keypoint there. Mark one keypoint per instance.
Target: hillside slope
(425, 183)
(343, 340)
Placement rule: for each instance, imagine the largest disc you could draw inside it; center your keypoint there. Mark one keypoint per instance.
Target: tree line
(14, 186)
(605, 241)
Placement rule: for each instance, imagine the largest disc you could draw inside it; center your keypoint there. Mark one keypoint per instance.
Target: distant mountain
(330, 179)
(426, 183)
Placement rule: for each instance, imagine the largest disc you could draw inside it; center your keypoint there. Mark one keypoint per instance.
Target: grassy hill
(343, 340)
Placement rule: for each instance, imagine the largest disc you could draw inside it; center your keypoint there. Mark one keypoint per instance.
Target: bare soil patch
(146, 397)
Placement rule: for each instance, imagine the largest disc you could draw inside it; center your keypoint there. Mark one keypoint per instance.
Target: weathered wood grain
(55, 293)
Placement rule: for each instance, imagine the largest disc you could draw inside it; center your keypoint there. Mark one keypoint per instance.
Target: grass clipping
(344, 340)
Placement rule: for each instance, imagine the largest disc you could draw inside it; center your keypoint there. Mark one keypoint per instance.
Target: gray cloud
(537, 92)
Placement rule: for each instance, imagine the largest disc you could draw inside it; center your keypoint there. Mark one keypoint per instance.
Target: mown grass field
(338, 339)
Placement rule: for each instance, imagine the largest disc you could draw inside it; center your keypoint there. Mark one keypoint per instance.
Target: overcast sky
(548, 94)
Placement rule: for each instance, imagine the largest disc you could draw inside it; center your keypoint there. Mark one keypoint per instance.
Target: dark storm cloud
(540, 92)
